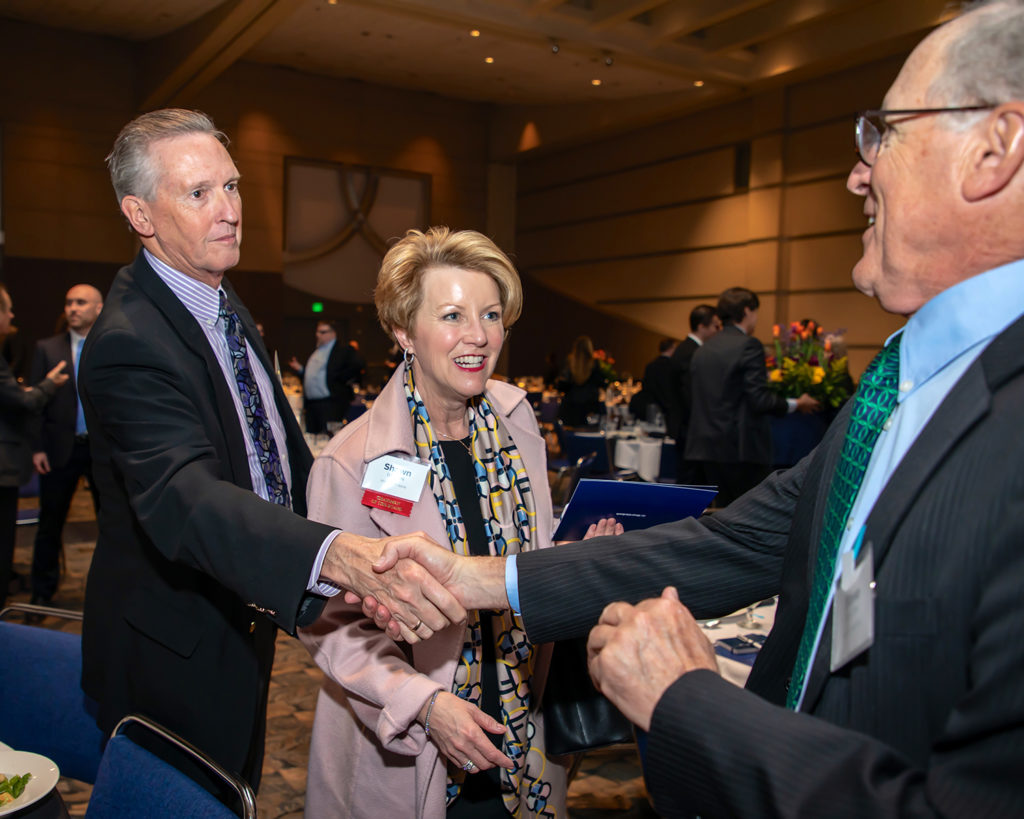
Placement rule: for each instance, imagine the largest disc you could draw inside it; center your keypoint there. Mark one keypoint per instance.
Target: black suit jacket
(731, 402)
(17, 408)
(658, 387)
(55, 432)
(679, 416)
(344, 366)
(192, 570)
(929, 721)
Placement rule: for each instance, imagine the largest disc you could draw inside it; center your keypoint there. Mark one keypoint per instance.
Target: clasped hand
(636, 652)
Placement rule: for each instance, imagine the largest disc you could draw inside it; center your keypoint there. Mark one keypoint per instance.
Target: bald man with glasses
(892, 683)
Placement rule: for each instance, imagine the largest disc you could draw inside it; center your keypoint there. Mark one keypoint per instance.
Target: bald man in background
(60, 443)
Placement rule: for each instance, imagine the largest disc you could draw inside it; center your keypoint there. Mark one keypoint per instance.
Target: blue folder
(634, 504)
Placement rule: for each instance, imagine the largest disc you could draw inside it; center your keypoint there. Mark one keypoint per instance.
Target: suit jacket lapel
(188, 329)
(963, 407)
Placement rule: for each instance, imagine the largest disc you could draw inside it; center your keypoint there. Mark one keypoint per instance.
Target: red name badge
(389, 503)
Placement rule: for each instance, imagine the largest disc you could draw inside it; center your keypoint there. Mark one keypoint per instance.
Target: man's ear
(996, 158)
(136, 212)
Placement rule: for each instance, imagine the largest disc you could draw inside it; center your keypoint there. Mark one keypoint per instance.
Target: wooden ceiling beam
(681, 17)
(185, 61)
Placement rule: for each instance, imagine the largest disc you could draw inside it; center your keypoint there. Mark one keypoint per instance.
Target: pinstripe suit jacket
(929, 720)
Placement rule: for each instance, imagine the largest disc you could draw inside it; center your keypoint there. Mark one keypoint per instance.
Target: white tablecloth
(759, 621)
(640, 454)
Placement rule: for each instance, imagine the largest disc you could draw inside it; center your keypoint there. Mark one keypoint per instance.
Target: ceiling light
(474, 33)
(595, 82)
(554, 47)
(332, 2)
(488, 60)
(609, 60)
(698, 83)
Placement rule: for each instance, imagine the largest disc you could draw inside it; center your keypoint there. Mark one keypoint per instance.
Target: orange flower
(775, 330)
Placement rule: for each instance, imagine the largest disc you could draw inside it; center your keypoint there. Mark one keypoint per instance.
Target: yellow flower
(775, 375)
(817, 375)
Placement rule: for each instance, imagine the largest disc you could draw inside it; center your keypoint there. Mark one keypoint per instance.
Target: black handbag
(577, 717)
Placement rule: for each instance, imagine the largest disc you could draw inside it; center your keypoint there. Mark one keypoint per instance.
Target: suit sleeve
(140, 402)
(717, 750)
(16, 399)
(388, 692)
(756, 392)
(719, 563)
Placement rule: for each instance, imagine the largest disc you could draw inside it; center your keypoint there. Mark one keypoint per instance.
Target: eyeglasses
(871, 126)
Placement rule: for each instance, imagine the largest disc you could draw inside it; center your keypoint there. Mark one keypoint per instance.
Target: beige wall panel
(720, 222)
(673, 318)
(692, 177)
(826, 262)
(821, 207)
(702, 275)
(842, 93)
(825, 150)
(763, 213)
(696, 132)
(863, 321)
(766, 161)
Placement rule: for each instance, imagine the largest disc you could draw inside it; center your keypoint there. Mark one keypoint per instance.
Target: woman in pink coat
(449, 726)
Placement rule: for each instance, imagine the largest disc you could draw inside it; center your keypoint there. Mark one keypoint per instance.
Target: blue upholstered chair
(134, 782)
(44, 708)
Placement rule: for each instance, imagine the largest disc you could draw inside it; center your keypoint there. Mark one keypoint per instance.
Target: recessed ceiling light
(595, 82)
(698, 83)
(332, 2)
(488, 60)
(474, 33)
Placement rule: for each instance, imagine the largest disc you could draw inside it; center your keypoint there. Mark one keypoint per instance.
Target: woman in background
(581, 385)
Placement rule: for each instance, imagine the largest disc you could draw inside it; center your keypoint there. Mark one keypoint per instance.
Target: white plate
(44, 777)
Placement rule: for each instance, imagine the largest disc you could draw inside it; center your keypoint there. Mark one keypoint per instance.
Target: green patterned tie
(876, 398)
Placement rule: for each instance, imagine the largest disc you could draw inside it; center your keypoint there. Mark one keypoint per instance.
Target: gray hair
(131, 168)
(985, 64)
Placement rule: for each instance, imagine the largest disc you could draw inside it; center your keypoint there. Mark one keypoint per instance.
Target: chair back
(44, 708)
(134, 782)
(582, 444)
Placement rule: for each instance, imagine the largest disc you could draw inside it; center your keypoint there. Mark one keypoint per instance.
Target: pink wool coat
(369, 756)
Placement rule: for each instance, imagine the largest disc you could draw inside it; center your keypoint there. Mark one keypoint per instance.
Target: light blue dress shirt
(203, 303)
(314, 376)
(939, 343)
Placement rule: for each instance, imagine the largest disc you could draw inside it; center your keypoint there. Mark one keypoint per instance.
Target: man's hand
(415, 604)
(636, 652)
(296, 365)
(57, 374)
(41, 462)
(806, 404)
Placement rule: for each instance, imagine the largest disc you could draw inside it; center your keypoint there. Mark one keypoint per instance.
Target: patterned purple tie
(259, 426)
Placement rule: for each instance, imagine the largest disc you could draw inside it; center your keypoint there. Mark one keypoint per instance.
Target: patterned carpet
(609, 783)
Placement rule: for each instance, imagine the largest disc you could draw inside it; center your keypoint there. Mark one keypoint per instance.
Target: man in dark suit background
(203, 549)
(60, 441)
(704, 323)
(327, 378)
(730, 401)
(18, 405)
(910, 701)
(657, 388)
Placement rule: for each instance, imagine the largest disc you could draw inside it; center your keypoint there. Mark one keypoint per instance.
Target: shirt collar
(969, 313)
(201, 300)
(699, 342)
(76, 338)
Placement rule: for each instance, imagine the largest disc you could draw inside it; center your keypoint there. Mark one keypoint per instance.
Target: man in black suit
(203, 549)
(327, 378)
(911, 704)
(17, 408)
(657, 388)
(729, 431)
(704, 323)
(60, 441)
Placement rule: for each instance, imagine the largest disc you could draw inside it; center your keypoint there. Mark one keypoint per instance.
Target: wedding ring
(418, 624)
(469, 766)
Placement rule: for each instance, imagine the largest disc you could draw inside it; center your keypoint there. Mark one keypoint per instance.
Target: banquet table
(642, 455)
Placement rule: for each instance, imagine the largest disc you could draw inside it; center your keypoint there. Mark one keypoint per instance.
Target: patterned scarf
(506, 502)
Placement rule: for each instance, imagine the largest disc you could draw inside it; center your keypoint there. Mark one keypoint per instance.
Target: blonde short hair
(399, 290)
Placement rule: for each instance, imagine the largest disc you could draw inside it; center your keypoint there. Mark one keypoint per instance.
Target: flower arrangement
(605, 365)
(804, 362)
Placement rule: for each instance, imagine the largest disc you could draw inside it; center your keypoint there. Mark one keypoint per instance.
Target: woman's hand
(605, 526)
(457, 728)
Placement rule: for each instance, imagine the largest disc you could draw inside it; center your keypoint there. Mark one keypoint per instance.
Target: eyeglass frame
(879, 114)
